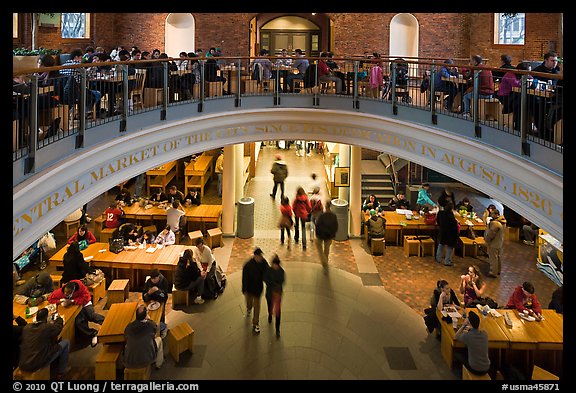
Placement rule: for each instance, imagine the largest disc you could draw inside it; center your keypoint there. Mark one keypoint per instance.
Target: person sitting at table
(524, 300)
(176, 218)
(113, 215)
(464, 205)
(442, 296)
(147, 238)
(472, 285)
(75, 292)
(506, 64)
(37, 288)
(376, 226)
(325, 74)
(284, 62)
(529, 232)
(129, 233)
(193, 197)
(175, 195)
(557, 301)
(156, 288)
(448, 87)
(399, 201)
(158, 195)
(75, 267)
(83, 234)
(142, 346)
(17, 339)
(262, 68)
(371, 203)
(124, 197)
(40, 345)
(485, 86)
(477, 360)
(166, 237)
(301, 65)
(189, 277)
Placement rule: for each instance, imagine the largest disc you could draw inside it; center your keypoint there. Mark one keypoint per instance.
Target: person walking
(302, 210)
(448, 233)
(219, 169)
(280, 172)
(494, 238)
(326, 228)
(274, 277)
(253, 285)
(286, 222)
(317, 209)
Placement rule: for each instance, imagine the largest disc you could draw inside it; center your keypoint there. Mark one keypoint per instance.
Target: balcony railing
(82, 97)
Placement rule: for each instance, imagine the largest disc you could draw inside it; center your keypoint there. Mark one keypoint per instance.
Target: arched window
(509, 28)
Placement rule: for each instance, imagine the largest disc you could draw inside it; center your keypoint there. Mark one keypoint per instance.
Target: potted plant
(24, 58)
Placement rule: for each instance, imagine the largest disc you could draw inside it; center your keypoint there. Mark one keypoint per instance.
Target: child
(286, 219)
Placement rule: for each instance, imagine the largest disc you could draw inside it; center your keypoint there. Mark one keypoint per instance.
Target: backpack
(425, 85)
(317, 206)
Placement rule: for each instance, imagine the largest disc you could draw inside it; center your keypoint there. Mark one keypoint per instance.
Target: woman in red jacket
(286, 222)
(302, 209)
(82, 233)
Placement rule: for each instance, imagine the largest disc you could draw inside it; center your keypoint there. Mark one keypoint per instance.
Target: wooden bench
(411, 246)
(512, 234)
(377, 245)
(137, 374)
(195, 235)
(107, 233)
(118, 291)
(180, 339)
(426, 246)
(179, 297)
(539, 374)
(97, 290)
(107, 362)
(468, 376)
(38, 375)
(471, 245)
(214, 238)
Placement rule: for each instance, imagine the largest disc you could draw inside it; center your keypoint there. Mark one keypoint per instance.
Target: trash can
(340, 208)
(245, 219)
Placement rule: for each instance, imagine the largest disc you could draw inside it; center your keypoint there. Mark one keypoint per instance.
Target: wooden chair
(468, 376)
(214, 238)
(137, 93)
(71, 227)
(195, 235)
(97, 290)
(38, 375)
(56, 278)
(426, 246)
(411, 246)
(179, 297)
(137, 374)
(377, 245)
(180, 339)
(539, 374)
(118, 291)
(107, 362)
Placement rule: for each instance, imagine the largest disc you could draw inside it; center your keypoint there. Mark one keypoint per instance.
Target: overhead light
(313, 14)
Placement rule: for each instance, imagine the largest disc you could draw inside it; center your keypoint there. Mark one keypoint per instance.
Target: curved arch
(404, 35)
(179, 33)
(290, 23)
(48, 198)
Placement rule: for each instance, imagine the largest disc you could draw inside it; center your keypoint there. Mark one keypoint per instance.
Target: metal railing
(59, 107)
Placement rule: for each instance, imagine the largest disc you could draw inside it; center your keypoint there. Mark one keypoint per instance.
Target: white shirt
(204, 256)
(165, 239)
(173, 218)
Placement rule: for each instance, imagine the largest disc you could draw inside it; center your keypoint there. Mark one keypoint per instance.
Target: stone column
(228, 191)
(355, 191)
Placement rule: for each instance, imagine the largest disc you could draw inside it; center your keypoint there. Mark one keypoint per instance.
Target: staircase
(379, 184)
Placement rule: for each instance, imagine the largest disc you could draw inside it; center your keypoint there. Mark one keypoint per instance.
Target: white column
(344, 157)
(355, 191)
(228, 197)
(239, 170)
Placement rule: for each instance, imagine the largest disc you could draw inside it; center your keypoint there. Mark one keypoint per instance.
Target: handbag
(116, 245)
(285, 222)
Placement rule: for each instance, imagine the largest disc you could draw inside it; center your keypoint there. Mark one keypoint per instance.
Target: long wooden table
(119, 316)
(132, 264)
(69, 314)
(203, 214)
(161, 176)
(198, 172)
(397, 224)
(521, 343)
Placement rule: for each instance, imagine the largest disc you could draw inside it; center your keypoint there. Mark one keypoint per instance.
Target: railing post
(316, 89)
(393, 91)
(524, 116)
(29, 163)
(82, 108)
(355, 101)
(433, 95)
(165, 92)
(125, 105)
(237, 101)
(476, 103)
(202, 84)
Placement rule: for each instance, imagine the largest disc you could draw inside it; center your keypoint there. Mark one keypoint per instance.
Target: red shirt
(81, 296)
(112, 216)
(517, 301)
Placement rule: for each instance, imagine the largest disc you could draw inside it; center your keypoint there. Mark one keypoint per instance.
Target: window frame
(88, 31)
(496, 32)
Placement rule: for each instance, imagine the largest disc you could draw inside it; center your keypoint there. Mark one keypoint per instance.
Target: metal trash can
(245, 219)
(340, 208)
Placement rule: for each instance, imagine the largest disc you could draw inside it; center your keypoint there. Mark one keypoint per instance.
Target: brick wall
(441, 35)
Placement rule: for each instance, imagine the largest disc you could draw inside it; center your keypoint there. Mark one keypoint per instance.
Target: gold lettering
(448, 158)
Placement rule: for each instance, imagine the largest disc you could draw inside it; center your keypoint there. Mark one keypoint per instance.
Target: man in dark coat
(156, 288)
(280, 172)
(253, 285)
(326, 228)
(40, 345)
(142, 346)
(37, 287)
(448, 233)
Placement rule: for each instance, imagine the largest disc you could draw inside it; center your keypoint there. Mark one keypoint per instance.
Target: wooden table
(203, 214)
(198, 172)
(119, 316)
(535, 92)
(497, 339)
(69, 314)
(133, 264)
(161, 176)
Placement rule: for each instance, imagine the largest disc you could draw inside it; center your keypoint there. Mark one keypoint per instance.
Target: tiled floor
(360, 320)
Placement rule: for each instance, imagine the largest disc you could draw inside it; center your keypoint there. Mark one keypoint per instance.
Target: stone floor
(361, 320)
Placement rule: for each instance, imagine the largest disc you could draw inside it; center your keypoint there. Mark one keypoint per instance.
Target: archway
(179, 33)
(404, 34)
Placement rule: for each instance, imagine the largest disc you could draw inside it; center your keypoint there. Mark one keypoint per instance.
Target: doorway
(290, 32)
